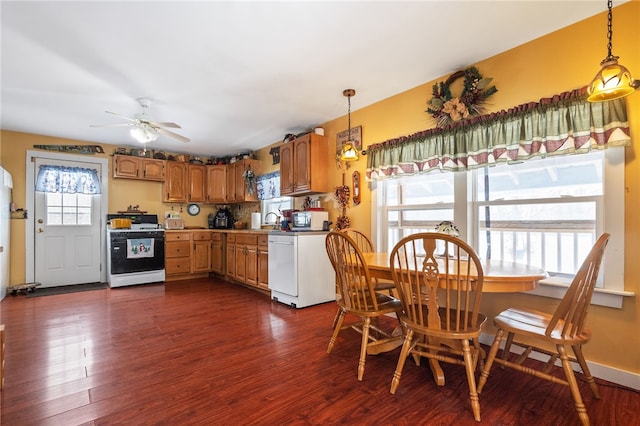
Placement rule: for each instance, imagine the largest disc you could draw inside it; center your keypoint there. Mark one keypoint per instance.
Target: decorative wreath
(446, 108)
(341, 195)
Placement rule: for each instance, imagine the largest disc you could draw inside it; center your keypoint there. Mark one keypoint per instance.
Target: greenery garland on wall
(446, 108)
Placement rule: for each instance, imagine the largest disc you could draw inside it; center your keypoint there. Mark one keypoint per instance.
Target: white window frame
(610, 217)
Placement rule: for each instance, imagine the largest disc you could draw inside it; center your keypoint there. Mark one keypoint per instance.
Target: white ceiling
(239, 75)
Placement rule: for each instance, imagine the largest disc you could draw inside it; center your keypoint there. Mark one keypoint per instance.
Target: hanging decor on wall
(446, 108)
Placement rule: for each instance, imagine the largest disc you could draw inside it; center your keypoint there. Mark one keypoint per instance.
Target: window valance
(68, 180)
(563, 124)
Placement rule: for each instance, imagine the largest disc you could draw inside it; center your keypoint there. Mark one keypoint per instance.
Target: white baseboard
(601, 371)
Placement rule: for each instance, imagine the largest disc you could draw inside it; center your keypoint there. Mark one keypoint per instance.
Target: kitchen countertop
(251, 231)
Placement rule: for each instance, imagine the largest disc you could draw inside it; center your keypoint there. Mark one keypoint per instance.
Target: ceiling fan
(143, 128)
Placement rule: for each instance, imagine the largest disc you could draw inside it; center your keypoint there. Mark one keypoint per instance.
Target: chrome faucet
(276, 224)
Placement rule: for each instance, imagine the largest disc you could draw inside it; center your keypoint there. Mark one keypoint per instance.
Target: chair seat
(469, 333)
(386, 304)
(534, 323)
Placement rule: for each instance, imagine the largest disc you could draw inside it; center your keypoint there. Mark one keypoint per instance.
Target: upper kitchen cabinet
(240, 188)
(197, 183)
(129, 167)
(304, 166)
(217, 184)
(175, 182)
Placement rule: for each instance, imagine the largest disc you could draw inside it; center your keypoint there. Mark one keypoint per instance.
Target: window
(546, 212)
(68, 209)
(274, 206)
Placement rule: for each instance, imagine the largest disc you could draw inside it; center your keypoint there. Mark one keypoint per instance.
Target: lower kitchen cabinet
(201, 259)
(231, 256)
(263, 262)
(177, 253)
(217, 253)
(247, 259)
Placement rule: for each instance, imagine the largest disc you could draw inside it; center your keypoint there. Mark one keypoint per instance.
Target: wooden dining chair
(366, 246)
(562, 329)
(357, 296)
(439, 282)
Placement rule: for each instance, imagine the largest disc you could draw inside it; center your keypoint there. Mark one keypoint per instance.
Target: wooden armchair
(562, 329)
(357, 296)
(439, 282)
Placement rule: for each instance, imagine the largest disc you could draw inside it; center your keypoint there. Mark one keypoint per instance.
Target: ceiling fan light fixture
(613, 80)
(144, 133)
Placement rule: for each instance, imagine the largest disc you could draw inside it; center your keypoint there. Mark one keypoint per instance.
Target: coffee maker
(221, 220)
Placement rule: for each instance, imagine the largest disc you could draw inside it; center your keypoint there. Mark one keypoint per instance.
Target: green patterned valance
(564, 124)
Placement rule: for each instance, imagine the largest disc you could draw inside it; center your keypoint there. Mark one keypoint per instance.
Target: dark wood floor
(210, 352)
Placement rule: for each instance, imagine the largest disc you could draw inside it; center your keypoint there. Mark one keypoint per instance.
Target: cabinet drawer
(177, 236)
(263, 240)
(201, 236)
(177, 265)
(177, 249)
(216, 236)
(247, 239)
(231, 238)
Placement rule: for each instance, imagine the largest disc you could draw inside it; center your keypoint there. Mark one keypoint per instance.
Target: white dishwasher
(300, 273)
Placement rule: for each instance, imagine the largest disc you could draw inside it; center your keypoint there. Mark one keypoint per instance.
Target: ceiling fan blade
(171, 134)
(165, 124)
(121, 116)
(112, 125)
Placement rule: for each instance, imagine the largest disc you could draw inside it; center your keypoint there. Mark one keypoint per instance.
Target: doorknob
(40, 230)
(40, 221)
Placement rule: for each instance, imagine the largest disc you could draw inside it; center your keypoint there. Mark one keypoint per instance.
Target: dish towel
(139, 247)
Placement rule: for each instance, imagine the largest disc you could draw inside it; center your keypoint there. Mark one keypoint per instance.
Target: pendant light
(613, 80)
(349, 151)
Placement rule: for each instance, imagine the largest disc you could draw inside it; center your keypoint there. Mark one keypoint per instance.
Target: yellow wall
(558, 62)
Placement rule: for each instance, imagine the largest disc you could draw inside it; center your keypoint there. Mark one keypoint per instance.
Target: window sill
(601, 296)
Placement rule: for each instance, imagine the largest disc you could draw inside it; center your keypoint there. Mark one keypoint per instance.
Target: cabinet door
(239, 182)
(125, 166)
(231, 182)
(175, 182)
(301, 164)
(241, 263)
(197, 183)
(216, 184)
(217, 253)
(201, 259)
(251, 265)
(152, 169)
(263, 263)
(231, 257)
(286, 169)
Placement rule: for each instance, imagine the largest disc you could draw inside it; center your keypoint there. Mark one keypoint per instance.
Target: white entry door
(67, 233)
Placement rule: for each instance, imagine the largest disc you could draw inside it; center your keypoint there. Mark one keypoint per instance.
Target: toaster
(173, 223)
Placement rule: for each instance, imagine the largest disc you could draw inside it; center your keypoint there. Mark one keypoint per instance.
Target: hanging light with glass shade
(349, 151)
(613, 80)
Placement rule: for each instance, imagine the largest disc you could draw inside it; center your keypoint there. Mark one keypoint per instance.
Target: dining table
(499, 277)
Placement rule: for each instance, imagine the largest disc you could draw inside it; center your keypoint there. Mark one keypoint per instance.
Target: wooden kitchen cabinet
(217, 184)
(175, 183)
(129, 167)
(197, 183)
(177, 253)
(201, 255)
(263, 262)
(236, 185)
(231, 255)
(304, 166)
(217, 253)
(243, 259)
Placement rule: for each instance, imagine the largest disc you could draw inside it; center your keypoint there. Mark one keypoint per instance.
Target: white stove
(135, 255)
